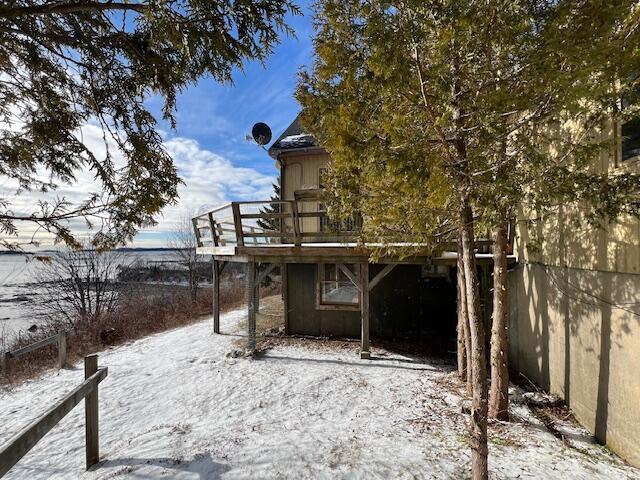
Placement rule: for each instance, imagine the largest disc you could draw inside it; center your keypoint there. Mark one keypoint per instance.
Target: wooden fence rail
(18, 446)
(60, 338)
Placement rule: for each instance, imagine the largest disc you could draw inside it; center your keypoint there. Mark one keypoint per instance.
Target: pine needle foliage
(398, 88)
(66, 64)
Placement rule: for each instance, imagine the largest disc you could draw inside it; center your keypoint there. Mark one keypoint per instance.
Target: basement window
(336, 291)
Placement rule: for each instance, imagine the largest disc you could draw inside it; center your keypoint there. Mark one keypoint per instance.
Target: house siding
(575, 315)
(567, 337)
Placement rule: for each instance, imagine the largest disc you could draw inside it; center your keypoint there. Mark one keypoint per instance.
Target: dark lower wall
(405, 304)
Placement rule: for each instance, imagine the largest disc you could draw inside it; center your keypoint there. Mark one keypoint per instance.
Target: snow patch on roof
(301, 140)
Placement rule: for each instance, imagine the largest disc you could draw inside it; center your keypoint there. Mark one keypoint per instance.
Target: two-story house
(329, 286)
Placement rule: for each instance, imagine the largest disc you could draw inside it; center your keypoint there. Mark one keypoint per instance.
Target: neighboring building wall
(567, 336)
(575, 317)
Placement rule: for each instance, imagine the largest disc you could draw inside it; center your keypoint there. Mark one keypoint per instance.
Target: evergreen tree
(272, 223)
(68, 64)
(437, 114)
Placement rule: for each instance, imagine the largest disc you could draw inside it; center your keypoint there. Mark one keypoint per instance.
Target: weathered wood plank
(34, 346)
(266, 215)
(196, 230)
(267, 234)
(92, 446)
(237, 223)
(364, 311)
(18, 446)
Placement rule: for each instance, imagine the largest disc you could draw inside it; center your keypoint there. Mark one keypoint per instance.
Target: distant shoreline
(123, 249)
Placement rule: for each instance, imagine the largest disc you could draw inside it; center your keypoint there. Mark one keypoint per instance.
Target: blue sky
(220, 116)
(213, 121)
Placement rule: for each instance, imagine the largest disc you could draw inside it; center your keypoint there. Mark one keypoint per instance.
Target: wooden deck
(284, 232)
(299, 231)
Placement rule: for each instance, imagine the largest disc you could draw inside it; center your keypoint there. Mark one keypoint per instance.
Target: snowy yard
(175, 406)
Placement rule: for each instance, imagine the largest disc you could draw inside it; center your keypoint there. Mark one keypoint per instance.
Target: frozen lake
(18, 290)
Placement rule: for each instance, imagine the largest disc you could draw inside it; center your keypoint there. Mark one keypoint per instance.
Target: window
(335, 288)
(630, 130)
(348, 225)
(631, 139)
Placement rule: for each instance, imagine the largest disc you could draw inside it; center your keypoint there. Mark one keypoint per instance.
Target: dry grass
(269, 319)
(143, 310)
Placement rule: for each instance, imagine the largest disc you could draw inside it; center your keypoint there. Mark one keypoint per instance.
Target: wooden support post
(62, 349)
(364, 311)
(216, 295)
(251, 303)
(285, 296)
(91, 414)
(257, 294)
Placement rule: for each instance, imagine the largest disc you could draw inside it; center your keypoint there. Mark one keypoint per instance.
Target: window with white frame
(335, 288)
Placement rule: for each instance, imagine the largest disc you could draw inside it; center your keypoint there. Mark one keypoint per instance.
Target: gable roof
(293, 138)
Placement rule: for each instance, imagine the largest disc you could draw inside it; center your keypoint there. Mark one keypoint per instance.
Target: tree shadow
(580, 290)
(201, 464)
(373, 363)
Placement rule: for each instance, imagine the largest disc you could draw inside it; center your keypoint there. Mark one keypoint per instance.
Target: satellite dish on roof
(261, 133)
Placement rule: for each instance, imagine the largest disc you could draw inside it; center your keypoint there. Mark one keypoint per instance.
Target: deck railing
(267, 222)
(291, 222)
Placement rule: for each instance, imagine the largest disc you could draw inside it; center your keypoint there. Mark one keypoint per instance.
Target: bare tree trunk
(463, 322)
(462, 315)
(479, 404)
(499, 394)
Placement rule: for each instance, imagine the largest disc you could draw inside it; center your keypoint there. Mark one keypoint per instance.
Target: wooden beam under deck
(327, 253)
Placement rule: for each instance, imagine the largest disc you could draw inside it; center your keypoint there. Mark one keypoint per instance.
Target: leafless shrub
(183, 242)
(78, 285)
(141, 310)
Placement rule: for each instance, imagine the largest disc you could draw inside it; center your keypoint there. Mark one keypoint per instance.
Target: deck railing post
(196, 231)
(237, 222)
(212, 227)
(296, 223)
(91, 414)
(62, 349)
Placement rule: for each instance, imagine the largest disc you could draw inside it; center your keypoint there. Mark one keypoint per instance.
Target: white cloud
(209, 180)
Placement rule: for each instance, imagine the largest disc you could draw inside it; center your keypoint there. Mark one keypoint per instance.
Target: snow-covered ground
(175, 406)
